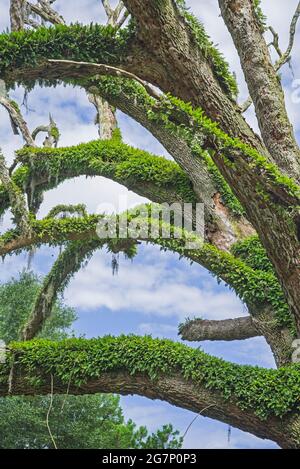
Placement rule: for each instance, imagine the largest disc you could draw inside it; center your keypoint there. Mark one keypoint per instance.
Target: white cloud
(149, 288)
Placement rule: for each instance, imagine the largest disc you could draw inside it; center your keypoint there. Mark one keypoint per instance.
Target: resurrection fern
(219, 65)
(266, 392)
(91, 43)
(262, 19)
(251, 251)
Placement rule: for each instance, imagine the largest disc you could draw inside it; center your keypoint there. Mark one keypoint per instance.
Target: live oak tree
(155, 62)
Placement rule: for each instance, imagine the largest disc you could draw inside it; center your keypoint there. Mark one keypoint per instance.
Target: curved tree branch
(155, 369)
(16, 117)
(90, 69)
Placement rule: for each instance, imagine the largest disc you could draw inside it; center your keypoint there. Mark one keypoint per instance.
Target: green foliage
(262, 19)
(108, 158)
(253, 254)
(92, 43)
(222, 186)
(198, 121)
(257, 288)
(112, 88)
(219, 65)
(266, 392)
(93, 421)
(15, 105)
(67, 210)
(16, 300)
(87, 422)
(54, 132)
(251, 251)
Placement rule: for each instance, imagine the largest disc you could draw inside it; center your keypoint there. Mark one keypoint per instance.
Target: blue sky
(156, 291)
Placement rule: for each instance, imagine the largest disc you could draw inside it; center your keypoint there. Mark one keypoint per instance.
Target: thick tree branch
(105, 117)
(227, 329)
(45, 11)
(223, 209)
(158, 369)
(262, 300)
(263, 84)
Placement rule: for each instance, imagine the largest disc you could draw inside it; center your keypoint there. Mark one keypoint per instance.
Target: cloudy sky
(156, 291)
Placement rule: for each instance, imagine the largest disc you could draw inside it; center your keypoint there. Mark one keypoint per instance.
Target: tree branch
(283, 57)
(265, 89)
(16, 199)
(44, 10)
(263, 300)
(227, 329)
(107, 8)
(53, 133)
(15, 115)
(17, 14)
(89, 69)
(287, 54)
(159, 369)
(105, 117)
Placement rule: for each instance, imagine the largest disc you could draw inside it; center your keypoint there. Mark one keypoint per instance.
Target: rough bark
(17, 14)
(105, 117)
(226, 329)
(223, 227)
(174, 390)
(16, 199)
(264, 86)
(171, 387)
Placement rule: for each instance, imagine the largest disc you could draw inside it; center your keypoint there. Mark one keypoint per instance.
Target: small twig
(68, 387)
(122, 19)
(48, 414)
(195, 418)
(286, 56)
(101, 69)
(275, 42)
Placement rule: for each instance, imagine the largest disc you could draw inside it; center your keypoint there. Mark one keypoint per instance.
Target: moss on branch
(256, 287)
(264, 391)
(92, 43)
(48, 167)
